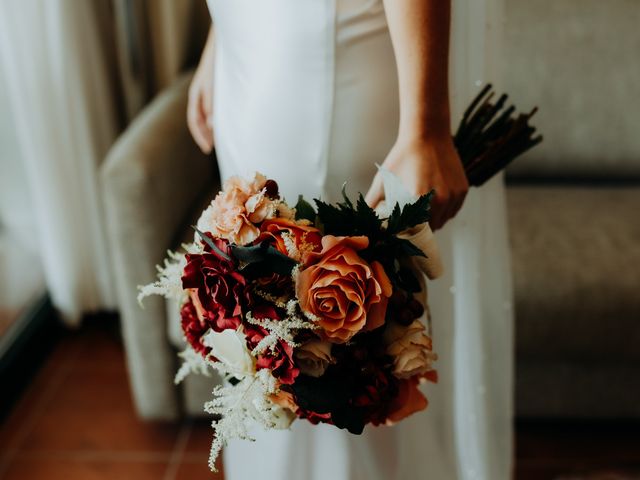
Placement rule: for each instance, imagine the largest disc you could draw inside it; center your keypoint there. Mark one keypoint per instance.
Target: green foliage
(345, 218)
(304, 210)
(262, 259)
(206, 239)
(411, 214)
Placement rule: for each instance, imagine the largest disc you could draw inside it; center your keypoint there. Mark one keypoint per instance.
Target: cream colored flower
(410, 348)
(229, 347)
(313, 357)
(422, 237)
(283, 417)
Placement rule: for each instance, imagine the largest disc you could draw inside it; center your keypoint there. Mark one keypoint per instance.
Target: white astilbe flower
(193, 248)
(280, 302)
(192, 362)
(238, 407)
(280, 330)
(290, 244)
(169, 283)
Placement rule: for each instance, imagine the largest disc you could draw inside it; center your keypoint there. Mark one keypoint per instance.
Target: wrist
(421, 127)
(424, 134)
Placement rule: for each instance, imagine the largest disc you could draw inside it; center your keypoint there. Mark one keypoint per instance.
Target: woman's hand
(200, 106)
(425, 165)
(424, 156)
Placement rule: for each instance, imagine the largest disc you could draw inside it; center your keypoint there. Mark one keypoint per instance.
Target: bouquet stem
(488, 138)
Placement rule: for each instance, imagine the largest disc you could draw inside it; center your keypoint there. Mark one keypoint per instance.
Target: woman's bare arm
(200, 106)
(424, 155)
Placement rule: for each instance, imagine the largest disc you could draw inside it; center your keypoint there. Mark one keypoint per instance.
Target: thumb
(376, 192)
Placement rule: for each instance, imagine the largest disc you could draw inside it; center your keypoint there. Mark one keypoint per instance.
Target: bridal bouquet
(305, 311)
(313, 311)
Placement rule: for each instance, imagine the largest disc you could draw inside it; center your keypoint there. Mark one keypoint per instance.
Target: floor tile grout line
(178, 451)
(95, 456)
(38, 411)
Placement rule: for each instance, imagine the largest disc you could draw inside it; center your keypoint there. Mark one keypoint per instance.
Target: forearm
(420, 34)
(209, 47)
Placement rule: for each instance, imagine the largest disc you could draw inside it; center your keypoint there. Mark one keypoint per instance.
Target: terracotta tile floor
(76, 421)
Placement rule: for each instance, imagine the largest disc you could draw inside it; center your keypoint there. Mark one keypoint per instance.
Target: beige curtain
(76, 71)
(156, 40)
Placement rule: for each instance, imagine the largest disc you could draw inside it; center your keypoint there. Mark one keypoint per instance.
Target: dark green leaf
(206, 239)
(408, 248)
(263, 259)
(347, 201)
(304, 210)
(408, 281)
(368, 216)
(347, 219)
(411, 214)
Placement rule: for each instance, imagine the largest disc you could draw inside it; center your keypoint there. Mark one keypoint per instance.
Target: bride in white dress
(315, 92)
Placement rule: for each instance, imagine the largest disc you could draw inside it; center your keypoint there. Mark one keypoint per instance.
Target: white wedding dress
(306, 92)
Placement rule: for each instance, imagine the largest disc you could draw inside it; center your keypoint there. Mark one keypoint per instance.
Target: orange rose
(341, 290)
(294, 239)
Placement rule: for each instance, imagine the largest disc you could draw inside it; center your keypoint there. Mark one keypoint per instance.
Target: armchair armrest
(151, 179)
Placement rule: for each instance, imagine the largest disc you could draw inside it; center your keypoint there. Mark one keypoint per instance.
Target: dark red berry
(271, 189)
(398, 298)
(416, 307)
(405, 317)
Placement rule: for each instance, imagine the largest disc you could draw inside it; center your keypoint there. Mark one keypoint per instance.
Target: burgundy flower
(219, 292)
(314, 417)
(279, 359)
(377, 390)
(352, 393)
(193, 328)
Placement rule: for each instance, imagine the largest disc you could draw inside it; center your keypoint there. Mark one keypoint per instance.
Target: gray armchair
(154, 181)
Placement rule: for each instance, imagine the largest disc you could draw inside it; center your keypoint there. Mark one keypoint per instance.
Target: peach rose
(341, 291)
(235, 211)
(294, 239)
(410, 348)
(313, 357)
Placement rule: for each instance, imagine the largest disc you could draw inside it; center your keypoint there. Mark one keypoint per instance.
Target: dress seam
(330, 87)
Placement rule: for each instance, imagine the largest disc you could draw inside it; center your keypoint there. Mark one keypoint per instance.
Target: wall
(579, 60)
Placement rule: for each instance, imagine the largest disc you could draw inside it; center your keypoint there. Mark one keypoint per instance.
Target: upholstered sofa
(574, 207)
(574, 216)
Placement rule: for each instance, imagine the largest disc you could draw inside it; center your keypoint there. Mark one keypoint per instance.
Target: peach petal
(410, 400)
(382, 278)
(377, 314)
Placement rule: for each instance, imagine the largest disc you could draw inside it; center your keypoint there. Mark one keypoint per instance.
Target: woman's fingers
(438, 210)
(376, 192)
(457, 203)
(197, 120)
(445, 207)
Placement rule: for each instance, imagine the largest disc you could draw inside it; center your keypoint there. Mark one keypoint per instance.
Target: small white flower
(230, 348)
(282, 417)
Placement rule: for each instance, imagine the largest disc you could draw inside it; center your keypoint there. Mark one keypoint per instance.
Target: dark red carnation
(193, 328)
(379, 387)
(314, 417)
(219, 292)
(279, 359)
